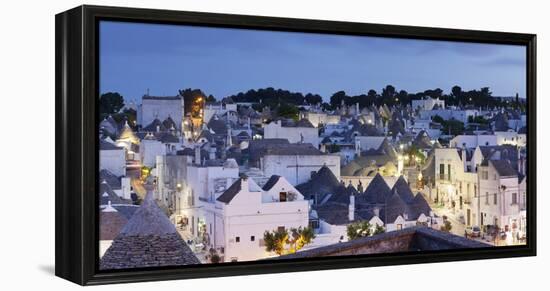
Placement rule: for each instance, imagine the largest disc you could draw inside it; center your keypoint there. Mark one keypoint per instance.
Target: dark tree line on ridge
(389, 95)
(111, 103)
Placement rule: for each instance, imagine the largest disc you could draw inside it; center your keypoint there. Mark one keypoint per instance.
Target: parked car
(473, 231)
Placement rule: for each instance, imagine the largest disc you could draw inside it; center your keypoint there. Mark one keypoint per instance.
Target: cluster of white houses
(226, 181)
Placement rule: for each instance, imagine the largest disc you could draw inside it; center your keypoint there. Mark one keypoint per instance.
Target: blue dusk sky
(164, 58)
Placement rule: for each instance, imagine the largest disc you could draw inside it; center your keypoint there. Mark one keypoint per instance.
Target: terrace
(411, 239)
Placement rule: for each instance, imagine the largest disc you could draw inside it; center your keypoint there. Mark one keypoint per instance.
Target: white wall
(473, 141)
(247, 215)
(161, 109)
(149, 150)
(504, 211)
(427, 104)
(510, 137)
(369, 142)
(286, 166)
(113, 161)
(35, 269)
(293, 134)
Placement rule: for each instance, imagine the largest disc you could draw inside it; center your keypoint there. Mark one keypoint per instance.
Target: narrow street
(133, 171)
(458, 228)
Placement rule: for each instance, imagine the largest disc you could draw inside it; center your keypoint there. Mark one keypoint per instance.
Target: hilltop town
(189, 179)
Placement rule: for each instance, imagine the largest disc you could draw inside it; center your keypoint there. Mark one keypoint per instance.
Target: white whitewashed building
(249, 211)
(112, 158)
(300, 132)
(160, 107)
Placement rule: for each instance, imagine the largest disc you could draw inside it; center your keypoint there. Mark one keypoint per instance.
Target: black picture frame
(76, 90)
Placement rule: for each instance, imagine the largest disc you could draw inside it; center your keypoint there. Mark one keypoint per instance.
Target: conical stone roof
(111, 223)
(377, 192)
(148, 240)
(403, 189)
(128, 135)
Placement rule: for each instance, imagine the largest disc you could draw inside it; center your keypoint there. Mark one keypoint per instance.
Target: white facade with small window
(457, 183)
(297, 169)
(472, 141)
(501, 198)
(252, 211)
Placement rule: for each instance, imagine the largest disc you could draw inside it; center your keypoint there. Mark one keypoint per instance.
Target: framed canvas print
(197, 145)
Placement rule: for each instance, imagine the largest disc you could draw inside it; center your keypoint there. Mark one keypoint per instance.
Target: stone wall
(410, 239)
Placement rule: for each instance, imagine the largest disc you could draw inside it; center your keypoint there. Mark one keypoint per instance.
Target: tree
(110, 103)
(358, 229)
(189, 95)
(438, 119)
(477, 119)
(453, 127)
(214, 257)
(288, 111)
(447, 226)
(413, 154)
(326, 106)
(435, 93)
(211, 98)
(403, 97)
(388, 92)
(281, 241)
(275, 241)
(378, 230)
(127, 114)
(313, 99)
(299, 237)
(333, 148)
(337, 98)
(456, 92)
(485, 93)
(371, 97)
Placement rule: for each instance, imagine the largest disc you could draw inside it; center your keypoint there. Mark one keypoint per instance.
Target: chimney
(229, 140)
(244, 184)
(376, 211)
(197, 155)
(464, 157)
(520, 161)
(351, 209)
(323, 148)
(406, 216)
(212, 153)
